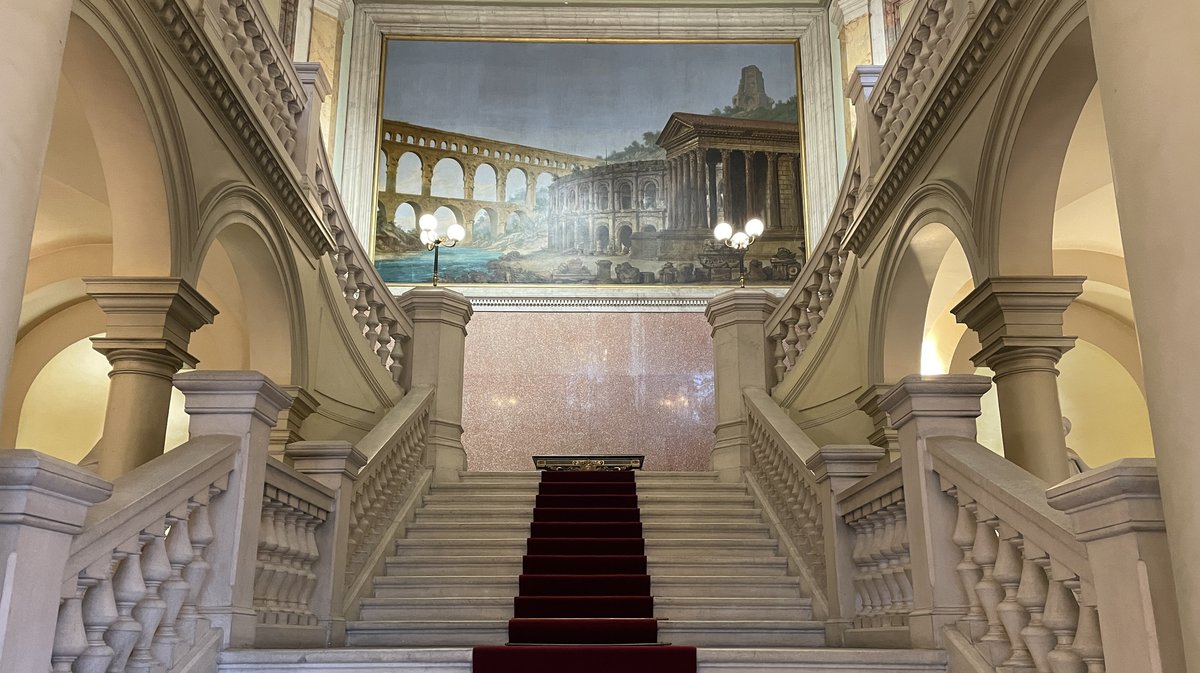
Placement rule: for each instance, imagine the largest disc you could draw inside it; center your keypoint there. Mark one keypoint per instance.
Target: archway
(448, 180)
(602, 238)
(625, 237)
(408, 174)
(542, 190)
(517, 186)
(484, 227)
(649, 195)
(407, 214)
(485, 183)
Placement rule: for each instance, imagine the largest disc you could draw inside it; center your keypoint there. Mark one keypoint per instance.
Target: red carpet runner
(584, 604)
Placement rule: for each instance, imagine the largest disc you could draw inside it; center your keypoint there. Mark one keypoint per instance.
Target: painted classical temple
(957, 441)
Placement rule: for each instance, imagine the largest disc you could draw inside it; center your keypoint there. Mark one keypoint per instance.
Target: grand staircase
(718, 578)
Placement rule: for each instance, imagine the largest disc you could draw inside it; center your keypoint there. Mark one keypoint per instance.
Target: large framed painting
(572, 163)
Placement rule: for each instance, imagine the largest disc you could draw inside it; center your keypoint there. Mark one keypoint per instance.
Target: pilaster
(150, 321)
(1019, 323)
(440, 318)
(920, 407)
(740, 360)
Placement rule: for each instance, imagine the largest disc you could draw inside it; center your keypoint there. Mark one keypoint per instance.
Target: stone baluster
(824, 290)
(1062, 618)
(1088, 644)
(201, 535)
(803, 326)
(974, 624)
(813, 290)
(790, 350)
(362, 303)
(1032, 594)
(99, 612)
(175, 589)
(986, 552)
(156, 569)
(128, 590)
(396, 366)
(265, 567)
(780, 354)
(1012, 614)
(70, 636)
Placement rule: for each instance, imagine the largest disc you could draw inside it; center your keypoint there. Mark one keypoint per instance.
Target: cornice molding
(566, 299)
(187, 35)
(954, 83)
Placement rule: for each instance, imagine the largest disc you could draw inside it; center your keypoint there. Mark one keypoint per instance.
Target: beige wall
(325, 47)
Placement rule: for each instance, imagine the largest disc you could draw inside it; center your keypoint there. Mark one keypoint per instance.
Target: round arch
(1026, 145)
(449, 179)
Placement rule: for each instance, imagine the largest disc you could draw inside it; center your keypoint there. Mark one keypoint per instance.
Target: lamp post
(739, 241)
(434, 242)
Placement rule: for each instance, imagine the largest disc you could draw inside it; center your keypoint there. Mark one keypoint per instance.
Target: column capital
(946, 396)
(436, 304)
(148, 314)
(843, 464)
(739, 306)
(1014, 313)
(39, 491)
(1118, 498)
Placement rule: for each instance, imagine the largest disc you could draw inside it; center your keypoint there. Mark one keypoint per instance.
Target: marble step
(511, 564)
(653, 486)
(648, 515)
(458, 660)
(701, 546)
(472, 586)
(674, 608)
(437, 498)
(651, 531)
(642, 477)
(748, 633)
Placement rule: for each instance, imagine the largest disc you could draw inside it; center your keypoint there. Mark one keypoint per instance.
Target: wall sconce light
(434, 242)
(739, 241)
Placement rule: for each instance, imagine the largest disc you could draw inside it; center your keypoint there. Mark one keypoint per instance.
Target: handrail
(388, 486)
(780, 450)
(132, 580)
(384, 325)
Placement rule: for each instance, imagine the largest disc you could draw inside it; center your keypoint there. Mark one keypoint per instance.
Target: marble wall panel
(576, 383)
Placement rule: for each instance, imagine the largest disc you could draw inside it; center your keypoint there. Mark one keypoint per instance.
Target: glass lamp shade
(428, 222)
(754, 227)
(426, 236)
(456, 232)
(723, 231)
(740, 240)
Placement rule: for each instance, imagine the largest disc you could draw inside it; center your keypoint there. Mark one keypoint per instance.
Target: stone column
(726, 186)
(714, 202)
(689, 191)
(150, 321)
(920, 407)
(1116, 510)
(741, 359)
(335, 465)
(245, 404)
(836, 469)
(770, 219)
(427, 178)
(501, 192)
(700, 196)
(1019, 323)
(1152, 164)
(43, 502)
(748, 211)
(440, 318)
(32, 35)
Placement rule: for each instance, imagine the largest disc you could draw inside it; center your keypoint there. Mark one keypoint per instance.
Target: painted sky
(586, 99)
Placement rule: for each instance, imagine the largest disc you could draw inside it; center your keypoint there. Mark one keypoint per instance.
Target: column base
(444, 452)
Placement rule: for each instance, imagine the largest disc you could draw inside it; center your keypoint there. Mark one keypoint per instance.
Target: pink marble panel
(564, 383)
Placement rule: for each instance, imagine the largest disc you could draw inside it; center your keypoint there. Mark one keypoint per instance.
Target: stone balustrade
(780, 477)
(1031, 602)
(874, 510)
(293, 508)
(132, 582)
(388, 487)
(385, 327)
(263, 65)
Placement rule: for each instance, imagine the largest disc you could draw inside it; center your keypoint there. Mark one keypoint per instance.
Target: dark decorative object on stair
(585, 604)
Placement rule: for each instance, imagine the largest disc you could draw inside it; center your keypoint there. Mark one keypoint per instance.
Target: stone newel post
(440, 318)
(921, 407)
(1117, 511)
(150, 321)
(335, 465)
(43, 502)
(741, 360)
(245, 404)
(1019, 323)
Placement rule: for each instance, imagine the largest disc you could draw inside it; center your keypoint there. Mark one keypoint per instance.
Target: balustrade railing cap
(326, 457)
(843, 460)
(750, 301)
(948, 395)
(1117, 498)
(39, 491)
(419, 302)
(232, 392)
